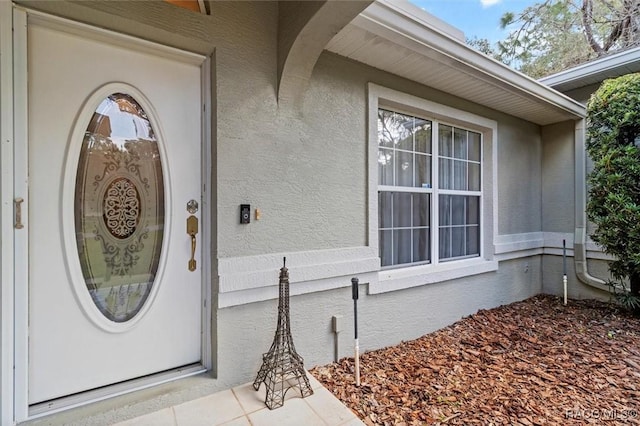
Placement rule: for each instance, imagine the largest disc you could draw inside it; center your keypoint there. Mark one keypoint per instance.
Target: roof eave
(611, 63)
(408, 30)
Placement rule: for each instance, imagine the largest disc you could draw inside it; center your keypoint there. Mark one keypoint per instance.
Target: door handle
(18, 202)
(192, 230)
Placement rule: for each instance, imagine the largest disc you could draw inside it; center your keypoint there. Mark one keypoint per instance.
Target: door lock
(192, 231)
(192, 206)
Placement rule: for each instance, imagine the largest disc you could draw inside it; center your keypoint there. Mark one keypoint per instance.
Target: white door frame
(6, 215)
(14, 183)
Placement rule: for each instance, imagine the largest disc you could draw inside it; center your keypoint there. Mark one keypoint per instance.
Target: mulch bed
(534, 362)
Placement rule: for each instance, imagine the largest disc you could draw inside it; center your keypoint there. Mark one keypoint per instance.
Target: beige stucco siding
(559, 212)
(558, 154)
(324, 149)
(519, 177)
(384, 319)
(307, 169)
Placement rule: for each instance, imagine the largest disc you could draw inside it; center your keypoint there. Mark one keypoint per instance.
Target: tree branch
(587, 19)
(615, 33)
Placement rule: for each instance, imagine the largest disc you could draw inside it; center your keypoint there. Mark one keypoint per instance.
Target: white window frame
(406, 276)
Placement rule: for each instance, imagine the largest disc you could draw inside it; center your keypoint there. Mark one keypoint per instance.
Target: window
(429, 190)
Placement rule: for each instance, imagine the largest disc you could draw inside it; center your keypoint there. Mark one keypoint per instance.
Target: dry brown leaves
(534, 362)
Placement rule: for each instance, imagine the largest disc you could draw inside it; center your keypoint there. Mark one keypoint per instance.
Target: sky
(476, 18)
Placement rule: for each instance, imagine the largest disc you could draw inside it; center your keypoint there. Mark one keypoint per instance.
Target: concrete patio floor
(243, 406)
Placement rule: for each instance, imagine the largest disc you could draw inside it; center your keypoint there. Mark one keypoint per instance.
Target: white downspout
(580, 236)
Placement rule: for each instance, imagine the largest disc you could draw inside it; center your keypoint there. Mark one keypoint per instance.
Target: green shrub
(613, 143)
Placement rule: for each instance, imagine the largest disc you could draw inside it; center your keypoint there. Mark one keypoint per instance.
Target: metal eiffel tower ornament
(282, 367)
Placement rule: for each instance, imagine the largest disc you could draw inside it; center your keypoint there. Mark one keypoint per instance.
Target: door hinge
(18, 206)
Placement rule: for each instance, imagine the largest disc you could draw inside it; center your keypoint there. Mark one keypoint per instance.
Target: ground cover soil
(534, 362)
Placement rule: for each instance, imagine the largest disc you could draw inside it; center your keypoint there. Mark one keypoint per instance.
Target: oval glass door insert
(119, 207)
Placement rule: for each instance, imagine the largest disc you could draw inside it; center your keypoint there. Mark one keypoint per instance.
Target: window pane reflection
(406, 171)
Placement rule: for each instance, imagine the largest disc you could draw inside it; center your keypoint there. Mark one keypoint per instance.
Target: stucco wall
(558, 212)
(328, 139)
(519, 177)
(307, 169)
(558, 157)
(384, 319)
(552, 278)
(315, 197)
(559, 166)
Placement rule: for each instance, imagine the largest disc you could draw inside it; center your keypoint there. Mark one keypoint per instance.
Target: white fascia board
(386, 19)
(426, 18)
(608, 63)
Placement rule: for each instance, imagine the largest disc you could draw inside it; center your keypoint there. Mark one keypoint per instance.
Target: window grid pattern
(411, 171)
(459, 182)
(404, 177)
(459, 227)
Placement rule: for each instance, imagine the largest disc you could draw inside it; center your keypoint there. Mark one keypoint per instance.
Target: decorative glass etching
(119, 207)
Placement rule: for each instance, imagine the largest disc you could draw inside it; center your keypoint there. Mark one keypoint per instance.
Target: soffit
(393, 39)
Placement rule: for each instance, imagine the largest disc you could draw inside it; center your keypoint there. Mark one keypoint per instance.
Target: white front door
(114, 161)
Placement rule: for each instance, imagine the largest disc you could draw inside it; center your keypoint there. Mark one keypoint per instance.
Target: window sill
(399, 279)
